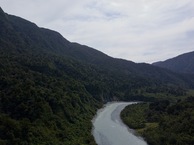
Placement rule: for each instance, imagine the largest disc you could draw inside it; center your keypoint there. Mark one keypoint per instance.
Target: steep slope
(42, 100)
(182, 63)
(50, 88)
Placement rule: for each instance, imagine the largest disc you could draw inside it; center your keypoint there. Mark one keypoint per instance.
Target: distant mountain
(50, 88)
(183, 63)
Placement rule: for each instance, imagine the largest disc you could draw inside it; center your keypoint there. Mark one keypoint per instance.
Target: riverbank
(161, 122)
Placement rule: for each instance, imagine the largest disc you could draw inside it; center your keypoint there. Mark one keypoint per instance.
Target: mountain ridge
(182, 63)
(28, 37)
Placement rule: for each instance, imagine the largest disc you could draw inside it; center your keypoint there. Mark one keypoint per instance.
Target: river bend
(108, 129)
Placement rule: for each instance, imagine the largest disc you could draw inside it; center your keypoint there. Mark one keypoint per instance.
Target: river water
(110, 130)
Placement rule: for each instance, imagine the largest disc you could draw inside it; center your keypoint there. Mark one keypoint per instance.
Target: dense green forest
(51, 88)
(43, 106)
(163, 123)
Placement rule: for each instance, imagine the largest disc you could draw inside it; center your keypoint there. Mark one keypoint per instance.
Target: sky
(136, 30)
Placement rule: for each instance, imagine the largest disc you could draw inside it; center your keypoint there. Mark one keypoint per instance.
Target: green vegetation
(137, 119)
(41, 104)
(162, 123)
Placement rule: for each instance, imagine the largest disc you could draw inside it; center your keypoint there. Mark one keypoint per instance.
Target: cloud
(137, 30)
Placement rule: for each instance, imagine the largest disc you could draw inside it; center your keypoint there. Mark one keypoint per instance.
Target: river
(108, 129)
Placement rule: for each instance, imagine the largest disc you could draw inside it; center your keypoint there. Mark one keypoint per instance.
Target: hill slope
(50, 88)
(182, 63)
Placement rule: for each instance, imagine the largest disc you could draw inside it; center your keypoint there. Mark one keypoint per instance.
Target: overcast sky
(137, 30)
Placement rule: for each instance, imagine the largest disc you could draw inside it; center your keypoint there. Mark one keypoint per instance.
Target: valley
(51, 88)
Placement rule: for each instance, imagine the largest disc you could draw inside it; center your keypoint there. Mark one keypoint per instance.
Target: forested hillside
(51, 88)
(182, 63)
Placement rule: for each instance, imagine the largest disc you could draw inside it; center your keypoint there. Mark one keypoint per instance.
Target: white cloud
(137, 30)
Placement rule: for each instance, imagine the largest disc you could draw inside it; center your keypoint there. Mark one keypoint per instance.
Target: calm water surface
(110, 130)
